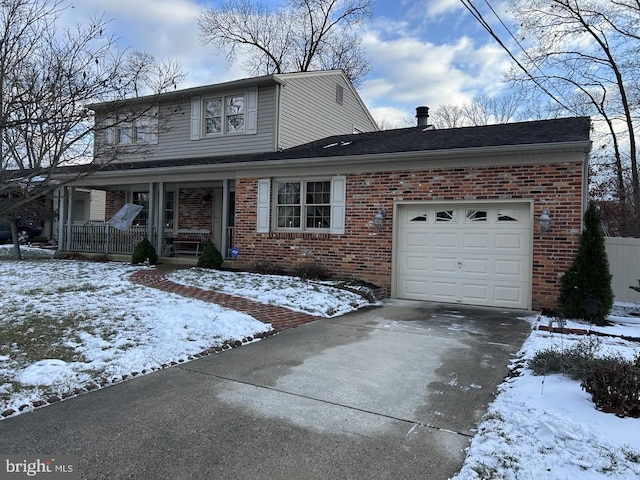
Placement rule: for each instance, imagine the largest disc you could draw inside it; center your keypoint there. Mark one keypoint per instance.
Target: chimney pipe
(422, 114)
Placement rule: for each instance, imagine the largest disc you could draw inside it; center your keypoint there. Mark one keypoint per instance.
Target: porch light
(544, 221)
(378, 219)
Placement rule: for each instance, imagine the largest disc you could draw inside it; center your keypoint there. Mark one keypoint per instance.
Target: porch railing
(106, 239)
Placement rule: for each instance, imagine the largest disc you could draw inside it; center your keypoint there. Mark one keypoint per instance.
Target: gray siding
(175, 127)
(309, 110)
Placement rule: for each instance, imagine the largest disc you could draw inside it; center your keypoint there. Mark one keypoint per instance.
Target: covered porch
(178, 218)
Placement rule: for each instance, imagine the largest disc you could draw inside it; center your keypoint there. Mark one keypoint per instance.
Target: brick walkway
(280, 318)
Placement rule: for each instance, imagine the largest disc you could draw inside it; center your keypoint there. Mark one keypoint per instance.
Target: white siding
(624, 265)
(309, 110)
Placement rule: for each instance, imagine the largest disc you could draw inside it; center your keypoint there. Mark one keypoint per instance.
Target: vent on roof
(422, 114)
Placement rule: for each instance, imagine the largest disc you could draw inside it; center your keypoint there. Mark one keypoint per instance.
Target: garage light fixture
(544, 221)
(378, 219)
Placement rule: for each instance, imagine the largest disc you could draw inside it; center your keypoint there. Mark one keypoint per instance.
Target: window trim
(266, 206)
(224, 131)
(140, 131)
(302, 205)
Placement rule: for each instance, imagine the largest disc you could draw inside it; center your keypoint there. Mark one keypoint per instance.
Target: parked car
(26, 231)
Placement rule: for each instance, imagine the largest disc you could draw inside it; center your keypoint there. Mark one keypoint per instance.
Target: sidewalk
(280, 318)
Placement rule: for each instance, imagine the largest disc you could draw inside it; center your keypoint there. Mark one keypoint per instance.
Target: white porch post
(224, 248)
(60, 194)
(152, 211)
(159, 220)
(69, 236)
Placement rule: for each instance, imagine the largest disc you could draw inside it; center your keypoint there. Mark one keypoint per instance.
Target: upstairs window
(142, 130)
(124, 134)
(224, 115)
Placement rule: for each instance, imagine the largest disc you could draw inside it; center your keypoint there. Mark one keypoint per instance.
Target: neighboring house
(440, 215)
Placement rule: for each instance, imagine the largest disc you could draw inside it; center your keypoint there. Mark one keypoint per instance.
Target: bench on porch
(186, 240)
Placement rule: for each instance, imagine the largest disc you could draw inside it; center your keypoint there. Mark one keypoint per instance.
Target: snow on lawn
(67, 324)
(290, 292)
(548, 427)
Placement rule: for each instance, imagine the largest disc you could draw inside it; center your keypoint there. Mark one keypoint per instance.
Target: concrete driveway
(390, 392)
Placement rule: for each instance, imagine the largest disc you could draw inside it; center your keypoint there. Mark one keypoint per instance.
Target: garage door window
(509, 215)
(476, 216)
(446, 216)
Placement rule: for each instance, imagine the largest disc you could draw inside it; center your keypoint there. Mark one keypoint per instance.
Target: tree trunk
(17, 254)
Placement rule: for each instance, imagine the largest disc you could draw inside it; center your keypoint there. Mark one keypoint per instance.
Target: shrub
(311, 271)
(589, 276)
(615, 387)
(266, 268)
(575, 361)
(143, 251)
(210, 257)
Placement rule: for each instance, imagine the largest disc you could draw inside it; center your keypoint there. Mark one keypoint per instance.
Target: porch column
(152, 211)
(60, 195)
(159, 221)
(224, 248)
(69, 236)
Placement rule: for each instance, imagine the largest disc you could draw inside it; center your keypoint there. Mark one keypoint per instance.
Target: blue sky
(423, 52)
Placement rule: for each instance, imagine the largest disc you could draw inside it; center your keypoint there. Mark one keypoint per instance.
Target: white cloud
(163, 28)
(409, 72)
(439, 7)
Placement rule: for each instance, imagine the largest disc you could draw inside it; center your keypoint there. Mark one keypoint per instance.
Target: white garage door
(464, 253)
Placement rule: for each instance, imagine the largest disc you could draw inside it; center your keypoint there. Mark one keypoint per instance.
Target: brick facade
(195, 206)
(367, 255)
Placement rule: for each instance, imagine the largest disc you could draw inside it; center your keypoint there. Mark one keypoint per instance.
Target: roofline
(353, 163)
(335, 71)
(192, 91)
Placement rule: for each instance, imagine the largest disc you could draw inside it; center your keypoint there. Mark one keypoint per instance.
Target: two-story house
(291, 169)
(172, 159)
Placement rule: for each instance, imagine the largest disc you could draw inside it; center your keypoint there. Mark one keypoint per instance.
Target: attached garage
(464, 252)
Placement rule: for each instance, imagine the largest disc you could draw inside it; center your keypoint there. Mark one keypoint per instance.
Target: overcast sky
(423, 52)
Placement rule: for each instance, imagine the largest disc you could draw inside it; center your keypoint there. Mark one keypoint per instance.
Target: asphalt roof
(413, 139)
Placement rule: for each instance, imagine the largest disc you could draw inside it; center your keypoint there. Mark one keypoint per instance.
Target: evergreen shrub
(143, 251)
(210, 257)
(588, 278)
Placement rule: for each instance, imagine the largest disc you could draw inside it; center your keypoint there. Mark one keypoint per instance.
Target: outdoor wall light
(378, 219)
(544, 221)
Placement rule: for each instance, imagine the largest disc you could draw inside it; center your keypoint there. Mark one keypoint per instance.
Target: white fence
(105, 239)
(624, 264)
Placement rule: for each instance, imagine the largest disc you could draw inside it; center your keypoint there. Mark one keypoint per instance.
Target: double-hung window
(224, 115)
(142, 199)
(135, 131)
(303, 205)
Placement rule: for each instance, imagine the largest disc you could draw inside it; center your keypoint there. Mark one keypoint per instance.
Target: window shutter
(251, 122)
(338, 203)
(264, 205)
(195, 118)
(152, 126)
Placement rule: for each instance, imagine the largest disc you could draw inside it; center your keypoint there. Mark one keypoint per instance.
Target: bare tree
(481, 110)
(298, 36)
(48, 77)
(585, 55)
